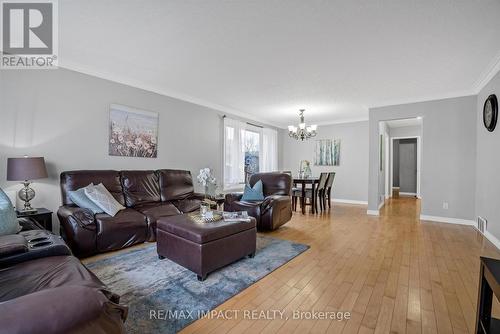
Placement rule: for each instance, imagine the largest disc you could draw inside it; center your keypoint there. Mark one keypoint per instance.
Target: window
(247, 149)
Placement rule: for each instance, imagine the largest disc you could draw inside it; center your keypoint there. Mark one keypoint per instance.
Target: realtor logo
(29, 34)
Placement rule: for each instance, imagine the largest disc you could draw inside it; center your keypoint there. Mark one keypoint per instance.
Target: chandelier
(302, 132)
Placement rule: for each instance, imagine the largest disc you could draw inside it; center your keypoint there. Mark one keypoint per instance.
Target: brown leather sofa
(276, 208)
(52, 294)
(147, 196)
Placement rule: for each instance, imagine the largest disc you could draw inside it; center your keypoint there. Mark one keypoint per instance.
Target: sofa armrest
(83, 217)
(12, 244)
(73, 309)
(273, 201)
(232, 197)
(79, 229)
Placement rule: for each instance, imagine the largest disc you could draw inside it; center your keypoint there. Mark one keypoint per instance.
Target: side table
(42, 216)
(489, 286)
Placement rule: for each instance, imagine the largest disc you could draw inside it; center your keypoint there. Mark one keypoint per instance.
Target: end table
(42, 216)
(489, 286)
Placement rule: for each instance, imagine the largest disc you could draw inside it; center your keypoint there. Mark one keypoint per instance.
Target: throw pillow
(8, 217)
(254, 193)
(103, 199)
(81, 199)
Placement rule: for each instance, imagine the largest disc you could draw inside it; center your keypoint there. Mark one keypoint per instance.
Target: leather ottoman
(204, 247)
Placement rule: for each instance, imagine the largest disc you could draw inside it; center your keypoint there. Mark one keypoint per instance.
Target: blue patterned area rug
(164, 297)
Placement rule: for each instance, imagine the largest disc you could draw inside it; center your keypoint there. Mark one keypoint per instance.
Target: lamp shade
(24, 169)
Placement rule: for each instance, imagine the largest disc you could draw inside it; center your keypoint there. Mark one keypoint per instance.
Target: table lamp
(26, 169)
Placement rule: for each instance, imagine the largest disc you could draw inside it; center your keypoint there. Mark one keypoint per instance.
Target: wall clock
(490, 112)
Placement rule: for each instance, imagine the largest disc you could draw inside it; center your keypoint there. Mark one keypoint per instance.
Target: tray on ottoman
(204, 247)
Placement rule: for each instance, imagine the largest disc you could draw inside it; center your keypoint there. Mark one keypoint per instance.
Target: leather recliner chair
(276, 208)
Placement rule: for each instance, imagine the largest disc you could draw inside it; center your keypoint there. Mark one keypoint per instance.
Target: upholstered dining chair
(328, 189)
(319, 193)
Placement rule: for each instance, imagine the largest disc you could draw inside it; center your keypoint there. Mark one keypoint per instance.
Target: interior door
(408, 165)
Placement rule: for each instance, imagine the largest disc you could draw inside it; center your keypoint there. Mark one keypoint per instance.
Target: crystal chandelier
(302, 132)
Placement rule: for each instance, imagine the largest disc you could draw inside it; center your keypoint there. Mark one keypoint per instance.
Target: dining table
(303, 181)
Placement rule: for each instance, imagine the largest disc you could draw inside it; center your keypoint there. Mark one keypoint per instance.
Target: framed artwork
(133, 132)
(327, 152)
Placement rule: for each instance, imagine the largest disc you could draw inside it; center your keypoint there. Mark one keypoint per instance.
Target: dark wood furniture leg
(303, 199)
(329, 197)
(484, 303)
(314, 207)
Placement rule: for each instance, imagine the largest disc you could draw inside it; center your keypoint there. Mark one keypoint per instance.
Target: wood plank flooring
(394, 274)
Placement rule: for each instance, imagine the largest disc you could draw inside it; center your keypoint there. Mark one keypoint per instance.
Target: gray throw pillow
(8, 217)
(103, 199)
(81, 199)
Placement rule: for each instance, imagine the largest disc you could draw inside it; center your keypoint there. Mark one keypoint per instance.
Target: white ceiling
(266, 59)
(400, 123)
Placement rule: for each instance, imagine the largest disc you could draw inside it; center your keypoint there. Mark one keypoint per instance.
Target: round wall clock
(490, 112)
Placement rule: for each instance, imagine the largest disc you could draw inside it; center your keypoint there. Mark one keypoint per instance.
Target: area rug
(164, 297)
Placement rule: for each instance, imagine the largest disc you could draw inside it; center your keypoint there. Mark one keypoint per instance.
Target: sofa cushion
(175, 184)
(73, 180)
(73, 309)
(182, 226)
(273, 183)
(127, 228)
(188, 204)
(140, 186)
(44, 273)
(8, 217)
(153, 211)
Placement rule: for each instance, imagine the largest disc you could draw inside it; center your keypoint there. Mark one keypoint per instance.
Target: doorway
(404, 167)
(405, 157)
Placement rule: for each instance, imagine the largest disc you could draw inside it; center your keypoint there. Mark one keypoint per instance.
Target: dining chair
(328, 189)
(319, 193)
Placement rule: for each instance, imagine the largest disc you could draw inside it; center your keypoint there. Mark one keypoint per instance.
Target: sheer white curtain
(269, 151)
(234, 153)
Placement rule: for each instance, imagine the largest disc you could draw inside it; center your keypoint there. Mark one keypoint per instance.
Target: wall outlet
(445, 205)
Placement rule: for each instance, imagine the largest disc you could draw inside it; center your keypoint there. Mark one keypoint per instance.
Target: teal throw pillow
(253, 194)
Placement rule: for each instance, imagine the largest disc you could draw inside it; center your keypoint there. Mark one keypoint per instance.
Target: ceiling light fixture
(302, 132)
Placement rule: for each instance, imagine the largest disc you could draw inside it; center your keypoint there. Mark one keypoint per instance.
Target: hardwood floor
(394, 274)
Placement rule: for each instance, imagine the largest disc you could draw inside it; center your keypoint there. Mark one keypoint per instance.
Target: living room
(215, 166)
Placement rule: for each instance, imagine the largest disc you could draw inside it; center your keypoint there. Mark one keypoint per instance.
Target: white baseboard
(472, 223)
(448, 220)
(349, 201)
(381, 205)
(408, 194)
(372, 212)
(492, 239)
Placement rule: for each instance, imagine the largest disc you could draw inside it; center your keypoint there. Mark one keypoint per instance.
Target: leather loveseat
(147, 196)
(276, 208)
(46, 290)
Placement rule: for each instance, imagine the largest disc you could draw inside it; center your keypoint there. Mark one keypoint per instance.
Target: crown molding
(162, 91)
(397, 102)
(488, 74)
(342, 121)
